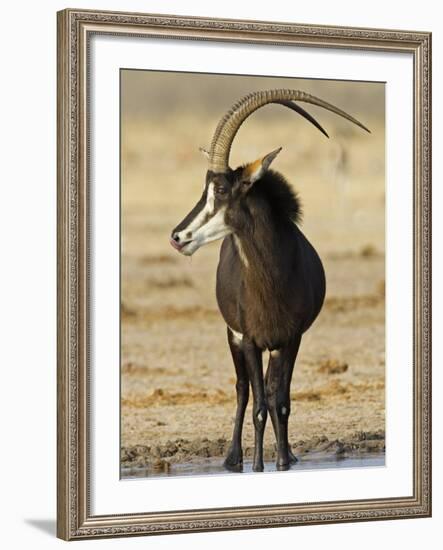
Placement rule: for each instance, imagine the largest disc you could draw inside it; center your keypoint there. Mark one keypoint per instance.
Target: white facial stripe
(212, 230)
(206, 227)
(210, 199)
(206, 211)
(215, 228)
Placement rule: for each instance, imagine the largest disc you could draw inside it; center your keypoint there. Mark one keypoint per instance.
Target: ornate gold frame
(74, 519)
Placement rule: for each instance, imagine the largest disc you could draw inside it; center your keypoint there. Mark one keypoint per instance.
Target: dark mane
(282, 198)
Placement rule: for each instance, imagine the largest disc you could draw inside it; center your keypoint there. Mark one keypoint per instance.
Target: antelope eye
(220, 190)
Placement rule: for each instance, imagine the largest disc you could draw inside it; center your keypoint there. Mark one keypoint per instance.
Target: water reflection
(215, 466)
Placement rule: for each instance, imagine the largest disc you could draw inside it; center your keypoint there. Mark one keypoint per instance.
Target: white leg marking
(237, 337)
(284, 411)
(260, 416)
(275, 353)
(240, 251)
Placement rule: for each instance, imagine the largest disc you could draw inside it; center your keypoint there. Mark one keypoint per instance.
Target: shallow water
(314, 461)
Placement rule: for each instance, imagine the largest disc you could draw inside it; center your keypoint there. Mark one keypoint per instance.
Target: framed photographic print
(244, 248)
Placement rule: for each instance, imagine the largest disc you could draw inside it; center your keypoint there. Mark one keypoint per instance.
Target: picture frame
(76, 518)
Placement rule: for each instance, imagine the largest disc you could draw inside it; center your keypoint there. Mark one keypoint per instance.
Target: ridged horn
(229, 125)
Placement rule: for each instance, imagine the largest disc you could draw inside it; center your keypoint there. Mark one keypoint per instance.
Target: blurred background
(178, 394)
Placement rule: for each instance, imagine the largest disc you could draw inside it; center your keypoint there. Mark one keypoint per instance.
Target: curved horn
(295, 107)
(229, 125)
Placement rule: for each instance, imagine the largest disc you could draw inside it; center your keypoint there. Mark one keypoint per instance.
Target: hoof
(258, 467)
(283, 467)
(292, 458)
(233, 467)
(234, 462)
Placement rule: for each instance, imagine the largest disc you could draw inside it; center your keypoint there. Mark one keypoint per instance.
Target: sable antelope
(270, 280)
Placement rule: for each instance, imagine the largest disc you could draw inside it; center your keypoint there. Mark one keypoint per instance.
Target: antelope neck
(263, 251)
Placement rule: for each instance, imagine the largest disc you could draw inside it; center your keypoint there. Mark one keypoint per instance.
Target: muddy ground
(178, 385)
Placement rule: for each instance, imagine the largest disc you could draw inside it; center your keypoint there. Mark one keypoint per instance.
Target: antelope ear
(255, 170)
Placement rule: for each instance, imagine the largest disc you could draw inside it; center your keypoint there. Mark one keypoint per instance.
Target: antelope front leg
(254, 365)
(234, 458)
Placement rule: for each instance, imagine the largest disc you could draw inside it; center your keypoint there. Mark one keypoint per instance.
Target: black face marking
(209, 207)
(192, 214)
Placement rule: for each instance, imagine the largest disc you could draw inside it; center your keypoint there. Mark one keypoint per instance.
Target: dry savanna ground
(178, 384)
